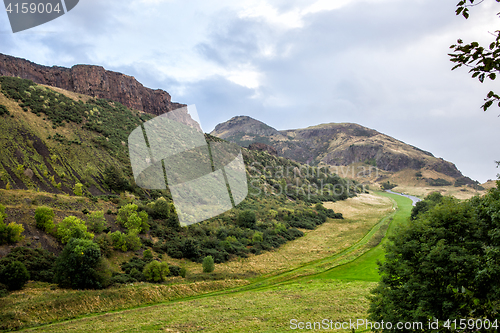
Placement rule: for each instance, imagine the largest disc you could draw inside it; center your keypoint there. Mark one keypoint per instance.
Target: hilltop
(347, 145)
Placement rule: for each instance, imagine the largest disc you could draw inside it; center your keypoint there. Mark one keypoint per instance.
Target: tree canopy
(484, 62)
(445, 264)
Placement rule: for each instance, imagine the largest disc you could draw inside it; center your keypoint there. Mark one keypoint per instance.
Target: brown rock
(29, 173)
(94, 81)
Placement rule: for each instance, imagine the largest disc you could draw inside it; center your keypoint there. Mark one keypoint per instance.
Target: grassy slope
(257, 308)
(365, 267)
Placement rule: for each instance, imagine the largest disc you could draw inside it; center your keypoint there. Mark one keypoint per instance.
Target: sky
(382, 64)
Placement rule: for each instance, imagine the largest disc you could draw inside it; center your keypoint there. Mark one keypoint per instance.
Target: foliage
(72, 227)
(208, 264)
(155, 271)
(129, 218)
(119, 240)
(38, 262)
(388, 186)
(247, 219)
(10, 233)
(438, 182)
(96, 222)
(428, 203)
(3, 110)
(444, 265)
(161, 209)
(78, 189)
(14, 275)
(147, 255)
(115, 180)
(76, 267)
(44, 217)
(484, 62)
(183, 272)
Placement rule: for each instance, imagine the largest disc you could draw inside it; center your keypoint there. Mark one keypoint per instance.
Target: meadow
(327, 274)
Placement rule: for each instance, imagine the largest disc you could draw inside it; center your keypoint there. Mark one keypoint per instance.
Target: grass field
(303, 290)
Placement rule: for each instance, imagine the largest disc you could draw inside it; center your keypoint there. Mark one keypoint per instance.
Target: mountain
(338, 144)
(93, 81)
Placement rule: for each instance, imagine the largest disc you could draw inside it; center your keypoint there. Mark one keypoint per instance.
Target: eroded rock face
(94, 81)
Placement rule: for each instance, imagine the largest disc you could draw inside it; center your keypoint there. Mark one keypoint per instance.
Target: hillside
(342, 144)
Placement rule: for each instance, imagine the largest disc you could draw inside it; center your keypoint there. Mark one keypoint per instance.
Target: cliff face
(94, 81)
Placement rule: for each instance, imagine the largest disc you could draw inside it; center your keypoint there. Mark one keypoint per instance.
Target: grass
(365, 267)
(267, 310)
(266, 305)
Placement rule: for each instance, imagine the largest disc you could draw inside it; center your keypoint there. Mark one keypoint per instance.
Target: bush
(208, 264)
(155, 271)
(247, 219)
(78, 189)
(44, 217)
(183, 272)
(147, 255)
(388, 186)
(76, 267)
(161, 209)
(129, 218)
(72, 227)
(134, 263)
(96, 222)
(114, 179)
(105, 244)
(38, 262)
(3, 110)
(438, 182)
(14, 275)
(9, 233)
(174, 270)
(119, 241)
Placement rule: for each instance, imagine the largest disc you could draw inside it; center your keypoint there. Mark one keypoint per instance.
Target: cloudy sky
(293, 63)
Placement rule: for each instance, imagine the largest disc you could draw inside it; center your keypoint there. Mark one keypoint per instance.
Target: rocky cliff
(94, 81)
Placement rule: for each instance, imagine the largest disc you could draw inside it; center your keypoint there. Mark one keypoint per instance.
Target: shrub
(155, 271)
(78, 189)
(388, 186)
(72, 227)
(119, 241)
(3, 110)
(9, 233)
(208, 264)
(161, 209)
(183, 272)
(438, 182)
(134, 263)
(147, 255)
(105, 244)
(96, 222)
(129, 218)
(174, 270)
(14, 275)
(247, 219)
(44, 217)
(257, 237)
(76, 266)
(133, 241)
(38, 262)
(114, 179)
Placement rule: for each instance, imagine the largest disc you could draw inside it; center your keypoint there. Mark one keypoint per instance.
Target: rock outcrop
(94, 81)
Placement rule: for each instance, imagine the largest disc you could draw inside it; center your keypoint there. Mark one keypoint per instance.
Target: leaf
(492, 76)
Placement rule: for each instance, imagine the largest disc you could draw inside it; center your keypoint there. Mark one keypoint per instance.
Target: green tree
(484, 62)
(161, 208)
(147, 255)
(247, 219)
(44, 217)
(78, 189)
(72, 227)
(445, 264)
(77, 265)
(115, 180)
(96, 222)
(129, 218)
(9, 233)
(208, 264)
(119, 241)
(155, 271)
(14, 275)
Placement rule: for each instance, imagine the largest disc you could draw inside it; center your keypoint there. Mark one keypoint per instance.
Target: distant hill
(339, 144)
